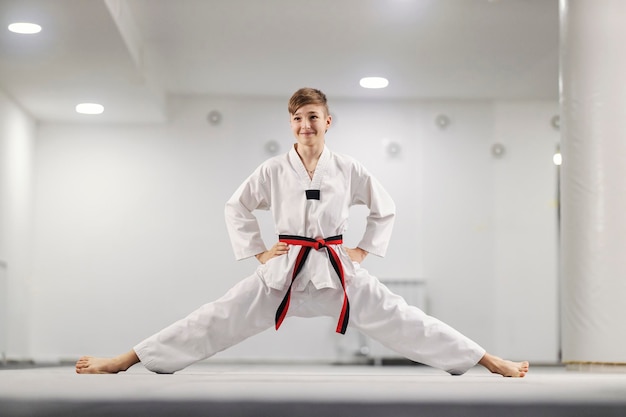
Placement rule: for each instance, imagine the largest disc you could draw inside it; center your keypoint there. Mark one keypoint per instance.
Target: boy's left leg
(387, 318)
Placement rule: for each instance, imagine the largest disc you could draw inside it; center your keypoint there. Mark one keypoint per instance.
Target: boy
(308, 272)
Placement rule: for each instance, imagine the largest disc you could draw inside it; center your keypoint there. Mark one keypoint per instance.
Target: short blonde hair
(305, 96)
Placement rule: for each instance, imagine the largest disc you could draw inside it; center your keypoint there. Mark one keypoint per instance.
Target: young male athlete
(308, 272)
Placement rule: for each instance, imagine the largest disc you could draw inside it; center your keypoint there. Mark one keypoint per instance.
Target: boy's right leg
(93, 365)
(245, 310)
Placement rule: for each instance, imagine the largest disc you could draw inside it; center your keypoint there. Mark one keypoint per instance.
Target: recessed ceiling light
(374, 82)
(89, 108)
(24, 28)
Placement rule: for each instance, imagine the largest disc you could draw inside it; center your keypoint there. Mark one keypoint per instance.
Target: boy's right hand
(280, 248)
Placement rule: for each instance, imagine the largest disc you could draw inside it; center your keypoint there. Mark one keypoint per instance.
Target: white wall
(526, 256)
(130, 235)
(458, 217)
(17, 137)
(491, 228)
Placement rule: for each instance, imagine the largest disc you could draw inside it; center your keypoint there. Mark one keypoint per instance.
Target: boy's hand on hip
(278, 249)
(357, 254)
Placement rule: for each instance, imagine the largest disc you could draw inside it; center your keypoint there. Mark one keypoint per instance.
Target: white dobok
(315, 208)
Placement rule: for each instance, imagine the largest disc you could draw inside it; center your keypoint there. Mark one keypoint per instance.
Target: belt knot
(306, 245)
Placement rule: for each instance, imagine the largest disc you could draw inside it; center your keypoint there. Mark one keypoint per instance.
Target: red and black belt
(308, 244)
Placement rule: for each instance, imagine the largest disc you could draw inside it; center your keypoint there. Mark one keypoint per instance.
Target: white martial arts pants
(250, 307)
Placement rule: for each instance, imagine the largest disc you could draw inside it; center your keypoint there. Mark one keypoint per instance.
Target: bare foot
(504, 367)
(91, 365)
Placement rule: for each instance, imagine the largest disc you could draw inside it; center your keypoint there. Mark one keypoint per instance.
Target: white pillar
(593, 180)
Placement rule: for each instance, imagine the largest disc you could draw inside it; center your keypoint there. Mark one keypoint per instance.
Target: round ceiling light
(24, 28)
(374, 82)
(89, 108)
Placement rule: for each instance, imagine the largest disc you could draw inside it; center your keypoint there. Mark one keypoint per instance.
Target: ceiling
(131, 55)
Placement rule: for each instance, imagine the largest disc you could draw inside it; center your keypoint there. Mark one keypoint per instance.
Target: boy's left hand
(357, 254)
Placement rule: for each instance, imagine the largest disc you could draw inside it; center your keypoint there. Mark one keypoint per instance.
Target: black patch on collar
(312, 194)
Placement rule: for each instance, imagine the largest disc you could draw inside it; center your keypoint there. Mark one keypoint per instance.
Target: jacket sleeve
(242, 225)
(382, 211)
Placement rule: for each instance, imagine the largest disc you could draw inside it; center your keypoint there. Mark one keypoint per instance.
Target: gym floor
(241, 390)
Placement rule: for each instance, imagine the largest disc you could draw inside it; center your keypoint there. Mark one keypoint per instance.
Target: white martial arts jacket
(280, 184)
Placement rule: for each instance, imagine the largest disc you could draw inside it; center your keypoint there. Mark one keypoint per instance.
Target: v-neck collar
(320, 169)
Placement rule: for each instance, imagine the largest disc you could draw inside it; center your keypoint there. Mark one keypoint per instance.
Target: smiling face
(309, 124)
